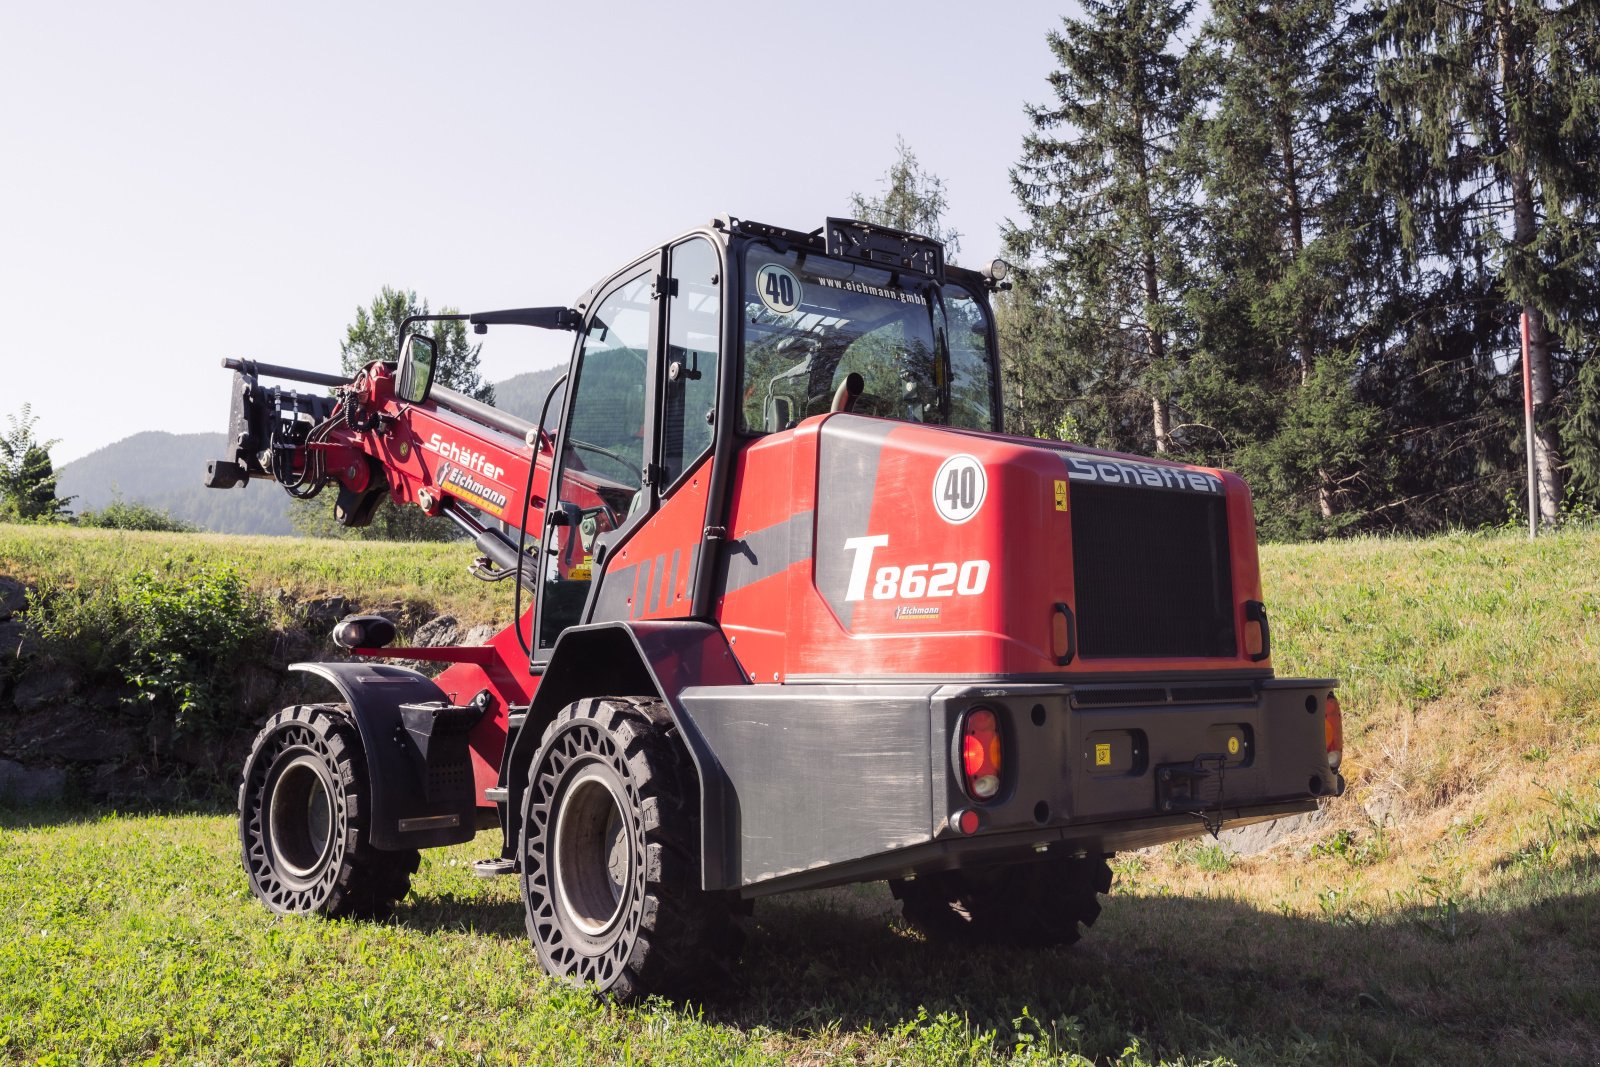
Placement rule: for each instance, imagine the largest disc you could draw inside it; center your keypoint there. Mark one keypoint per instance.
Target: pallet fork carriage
(790, 610)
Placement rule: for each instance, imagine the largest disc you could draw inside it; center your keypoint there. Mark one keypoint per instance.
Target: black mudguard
(649, 659)
(421, 794)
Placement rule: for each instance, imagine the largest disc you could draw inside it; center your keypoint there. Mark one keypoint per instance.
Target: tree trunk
(1155, 340)
(1297, 244)
(1161, 419)
(1525, 229)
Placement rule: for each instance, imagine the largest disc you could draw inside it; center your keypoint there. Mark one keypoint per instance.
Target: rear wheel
(303, 809)
(1047, 902)
(610, 845)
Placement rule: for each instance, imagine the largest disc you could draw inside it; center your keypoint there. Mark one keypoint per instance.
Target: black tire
(610, 849)
(1046, 902)
(303, 809)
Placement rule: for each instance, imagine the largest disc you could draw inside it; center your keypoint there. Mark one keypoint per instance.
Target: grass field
(1446, 910)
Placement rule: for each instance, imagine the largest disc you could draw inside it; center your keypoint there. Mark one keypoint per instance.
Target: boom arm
(449, 455)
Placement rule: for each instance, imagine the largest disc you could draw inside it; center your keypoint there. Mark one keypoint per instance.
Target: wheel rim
(300, 818)
(593, 863)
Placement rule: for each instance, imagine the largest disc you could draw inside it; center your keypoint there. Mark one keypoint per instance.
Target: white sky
(185, 181)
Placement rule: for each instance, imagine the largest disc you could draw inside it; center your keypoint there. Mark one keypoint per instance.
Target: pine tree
(375, 335)
(913, 200)
(1283, 275)
(1104, 218)
(1502, 98)
(27, 476)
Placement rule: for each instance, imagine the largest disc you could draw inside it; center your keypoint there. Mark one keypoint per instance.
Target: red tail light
(1333, 728)
(980, 753)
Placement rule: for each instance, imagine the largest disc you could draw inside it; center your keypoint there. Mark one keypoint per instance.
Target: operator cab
(922, 348)
(675, 370)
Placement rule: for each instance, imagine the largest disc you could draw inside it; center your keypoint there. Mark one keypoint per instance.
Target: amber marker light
(1333, 728)
(980, 753)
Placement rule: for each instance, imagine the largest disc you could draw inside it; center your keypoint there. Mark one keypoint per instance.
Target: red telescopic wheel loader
(790, 611)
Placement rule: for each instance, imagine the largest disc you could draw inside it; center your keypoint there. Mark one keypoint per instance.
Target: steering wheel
(873, 404)
(623, 461)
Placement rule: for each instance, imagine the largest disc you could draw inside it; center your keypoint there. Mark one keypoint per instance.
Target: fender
(402, 814)
(649, 659)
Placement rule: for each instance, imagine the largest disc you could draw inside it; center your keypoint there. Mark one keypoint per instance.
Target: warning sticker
(1102, 755)
(1061, 494)
(778, 288)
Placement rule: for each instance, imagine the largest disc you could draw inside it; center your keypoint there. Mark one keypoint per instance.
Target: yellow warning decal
(1233, 746)
(1102, 755)
(1061, 494)
(582, 571)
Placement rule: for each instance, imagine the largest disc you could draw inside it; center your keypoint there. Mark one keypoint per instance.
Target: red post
(1527, 416)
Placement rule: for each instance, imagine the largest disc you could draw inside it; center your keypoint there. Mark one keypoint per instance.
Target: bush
(122, 515)
(176, 639)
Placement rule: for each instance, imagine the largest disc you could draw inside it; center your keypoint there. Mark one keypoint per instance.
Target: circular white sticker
(778, 288)
(959, 488)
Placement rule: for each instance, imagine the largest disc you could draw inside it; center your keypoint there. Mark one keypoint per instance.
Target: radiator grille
(1152, 573)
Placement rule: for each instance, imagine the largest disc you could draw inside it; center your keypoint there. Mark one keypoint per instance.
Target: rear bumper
(821, 785)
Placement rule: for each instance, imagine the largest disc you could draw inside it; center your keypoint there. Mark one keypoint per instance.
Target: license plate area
(1193, 786)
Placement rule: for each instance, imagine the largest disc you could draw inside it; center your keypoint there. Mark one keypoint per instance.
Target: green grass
(1446, 910)
(134, 938)
(431, 576)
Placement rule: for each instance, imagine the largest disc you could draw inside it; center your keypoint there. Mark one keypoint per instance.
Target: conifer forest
(1308, 240)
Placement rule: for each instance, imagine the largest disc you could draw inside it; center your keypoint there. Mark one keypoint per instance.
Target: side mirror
(414, 379)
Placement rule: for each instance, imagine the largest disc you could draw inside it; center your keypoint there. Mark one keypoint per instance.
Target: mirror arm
(546, 318)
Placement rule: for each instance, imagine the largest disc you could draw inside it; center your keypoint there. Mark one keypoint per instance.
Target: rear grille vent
(1184, 694)
(1094, 698)
(1152, 573)
(1213, 694)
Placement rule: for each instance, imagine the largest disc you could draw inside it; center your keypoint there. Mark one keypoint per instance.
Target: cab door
(606, 448)
(625, 533)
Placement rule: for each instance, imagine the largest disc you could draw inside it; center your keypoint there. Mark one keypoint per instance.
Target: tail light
(1333, 728)
(981, 753)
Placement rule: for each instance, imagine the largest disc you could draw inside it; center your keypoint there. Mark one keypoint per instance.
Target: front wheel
(303, 810)
(610, 840)
(1045, 902)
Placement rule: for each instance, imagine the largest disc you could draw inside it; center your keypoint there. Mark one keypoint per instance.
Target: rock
(1258, 837)
(440, 631)
(293, 646)
(112, 783)
(323, 614)
(43, 688)
(15, 640)
(13, 597)
(76, 735)
(31, 785)
(481, 635)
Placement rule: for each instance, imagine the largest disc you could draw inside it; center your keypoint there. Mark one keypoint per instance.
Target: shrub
(175, 638)
(123, 515)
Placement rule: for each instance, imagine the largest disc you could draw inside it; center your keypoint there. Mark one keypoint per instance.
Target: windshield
(810, 321)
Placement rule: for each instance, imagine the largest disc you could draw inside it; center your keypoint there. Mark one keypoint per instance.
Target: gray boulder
(435, 632)
(13, 597)
(43, 688)
(31, 785)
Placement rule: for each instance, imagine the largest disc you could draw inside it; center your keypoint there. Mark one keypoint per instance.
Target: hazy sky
(183, 182)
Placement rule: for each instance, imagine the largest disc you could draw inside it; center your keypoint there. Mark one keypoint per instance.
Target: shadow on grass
(1435, 980)
(494, 918)
(1508, 979)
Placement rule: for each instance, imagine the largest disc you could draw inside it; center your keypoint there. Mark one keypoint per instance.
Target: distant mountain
(523, 394)
(166, 470)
